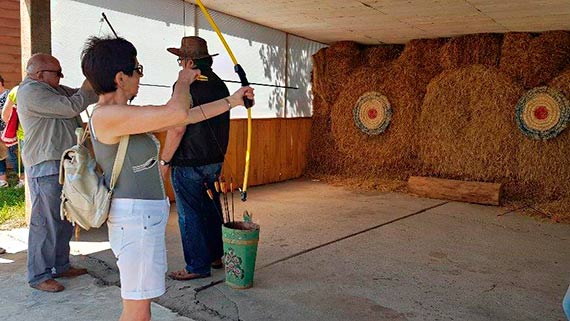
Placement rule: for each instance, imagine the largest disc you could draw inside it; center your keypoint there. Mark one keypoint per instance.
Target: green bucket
(240, 252)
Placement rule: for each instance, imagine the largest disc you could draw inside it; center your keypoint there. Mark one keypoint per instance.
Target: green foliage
(12, 206)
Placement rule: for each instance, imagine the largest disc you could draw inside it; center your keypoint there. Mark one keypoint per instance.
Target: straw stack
(483, 49)
(467, 125)
(545, 165)
(333, 68)
(453, 114)
(533, 59)
(379, 56)
(392, 152)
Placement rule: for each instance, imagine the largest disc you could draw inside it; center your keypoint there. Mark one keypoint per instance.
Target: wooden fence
(10, 47)
(278, 150)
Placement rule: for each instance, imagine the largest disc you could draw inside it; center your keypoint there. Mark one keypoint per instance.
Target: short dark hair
(1, 80)
(204, 62)
(103, 58)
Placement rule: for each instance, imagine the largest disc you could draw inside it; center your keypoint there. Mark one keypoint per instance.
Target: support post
(35, 30)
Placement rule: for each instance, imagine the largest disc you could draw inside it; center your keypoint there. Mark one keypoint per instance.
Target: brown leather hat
(192, 47)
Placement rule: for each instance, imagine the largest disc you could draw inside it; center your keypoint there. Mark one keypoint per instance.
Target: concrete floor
(328, 253)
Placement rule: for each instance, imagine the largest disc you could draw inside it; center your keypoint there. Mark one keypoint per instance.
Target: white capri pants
(137, 230)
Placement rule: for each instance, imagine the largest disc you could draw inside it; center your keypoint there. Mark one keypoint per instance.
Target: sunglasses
(58, 72)
(139, 69)
(181, 59)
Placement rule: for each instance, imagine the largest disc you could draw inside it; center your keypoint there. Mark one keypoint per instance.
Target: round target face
(542, 113)
(372, 113)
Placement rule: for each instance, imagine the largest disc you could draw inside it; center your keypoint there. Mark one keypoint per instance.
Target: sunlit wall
(268, 56)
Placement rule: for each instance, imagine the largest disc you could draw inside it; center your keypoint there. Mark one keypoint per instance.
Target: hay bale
(423, 53)
(545, 165)
(535, 60)
(339, 61)
(322, 157)
(483, 49)
(391, 155)
(467, 125)
(562, 83)
(388, 155)
(319, 81)
(420, 59)
(460, 126)
(379, 56)
(332, 68)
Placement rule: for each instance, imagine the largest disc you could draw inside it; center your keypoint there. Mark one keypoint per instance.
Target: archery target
(542, 113)
(372, 113)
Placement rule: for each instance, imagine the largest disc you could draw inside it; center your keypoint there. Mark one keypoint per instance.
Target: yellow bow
(244, 82)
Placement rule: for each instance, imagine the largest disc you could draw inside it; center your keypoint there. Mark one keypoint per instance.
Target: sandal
(218, 264)
(183, 275)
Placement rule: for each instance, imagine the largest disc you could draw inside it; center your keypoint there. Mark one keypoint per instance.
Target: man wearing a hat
(195, 154)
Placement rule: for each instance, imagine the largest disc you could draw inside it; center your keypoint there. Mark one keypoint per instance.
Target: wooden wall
(10, 48)
(278, 150)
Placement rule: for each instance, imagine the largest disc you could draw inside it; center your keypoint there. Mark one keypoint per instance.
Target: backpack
(85, 199)
(9, 132)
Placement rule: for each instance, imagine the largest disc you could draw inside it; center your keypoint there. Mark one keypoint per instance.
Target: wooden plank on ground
(463, 191)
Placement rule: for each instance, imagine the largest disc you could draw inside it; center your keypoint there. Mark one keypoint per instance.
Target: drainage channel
(213, 283)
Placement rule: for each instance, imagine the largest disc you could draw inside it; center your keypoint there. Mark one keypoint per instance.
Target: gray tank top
(140, 177)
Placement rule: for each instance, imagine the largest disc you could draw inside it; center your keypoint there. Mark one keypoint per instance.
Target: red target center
(541, 113)
(372, 113)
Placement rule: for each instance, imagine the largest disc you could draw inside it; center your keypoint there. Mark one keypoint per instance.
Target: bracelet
(229, 104)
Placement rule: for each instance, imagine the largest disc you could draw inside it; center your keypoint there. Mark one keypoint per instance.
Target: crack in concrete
(187, 311)
(212, 284)
(352, 235)
(101, 275)
(512, 211)
(235, 305)
(491, 289)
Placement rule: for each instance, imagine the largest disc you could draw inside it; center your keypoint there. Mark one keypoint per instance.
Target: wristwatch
(164, 163)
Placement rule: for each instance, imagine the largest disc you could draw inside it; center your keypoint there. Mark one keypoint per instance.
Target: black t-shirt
(205, 142)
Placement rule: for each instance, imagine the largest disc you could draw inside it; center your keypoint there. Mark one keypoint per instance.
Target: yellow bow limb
(247, 102)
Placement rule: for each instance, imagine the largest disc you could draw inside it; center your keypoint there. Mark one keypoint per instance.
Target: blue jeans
(566, 304)
(14, 159)
(199, 217)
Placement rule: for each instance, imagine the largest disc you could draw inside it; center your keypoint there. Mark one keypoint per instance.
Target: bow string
(247, 102)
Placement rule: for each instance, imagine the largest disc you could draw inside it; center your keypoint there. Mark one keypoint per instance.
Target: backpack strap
(87, 132)
(121, 151)
(118, 164)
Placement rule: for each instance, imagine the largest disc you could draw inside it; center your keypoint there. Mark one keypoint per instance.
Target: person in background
(15, 150)
(3, 149)
(49, 114)
(139, 209)
(3, 97)
(195, 153)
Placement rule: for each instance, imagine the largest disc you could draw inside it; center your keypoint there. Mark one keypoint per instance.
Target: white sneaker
(3, 183)
(20, 184)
